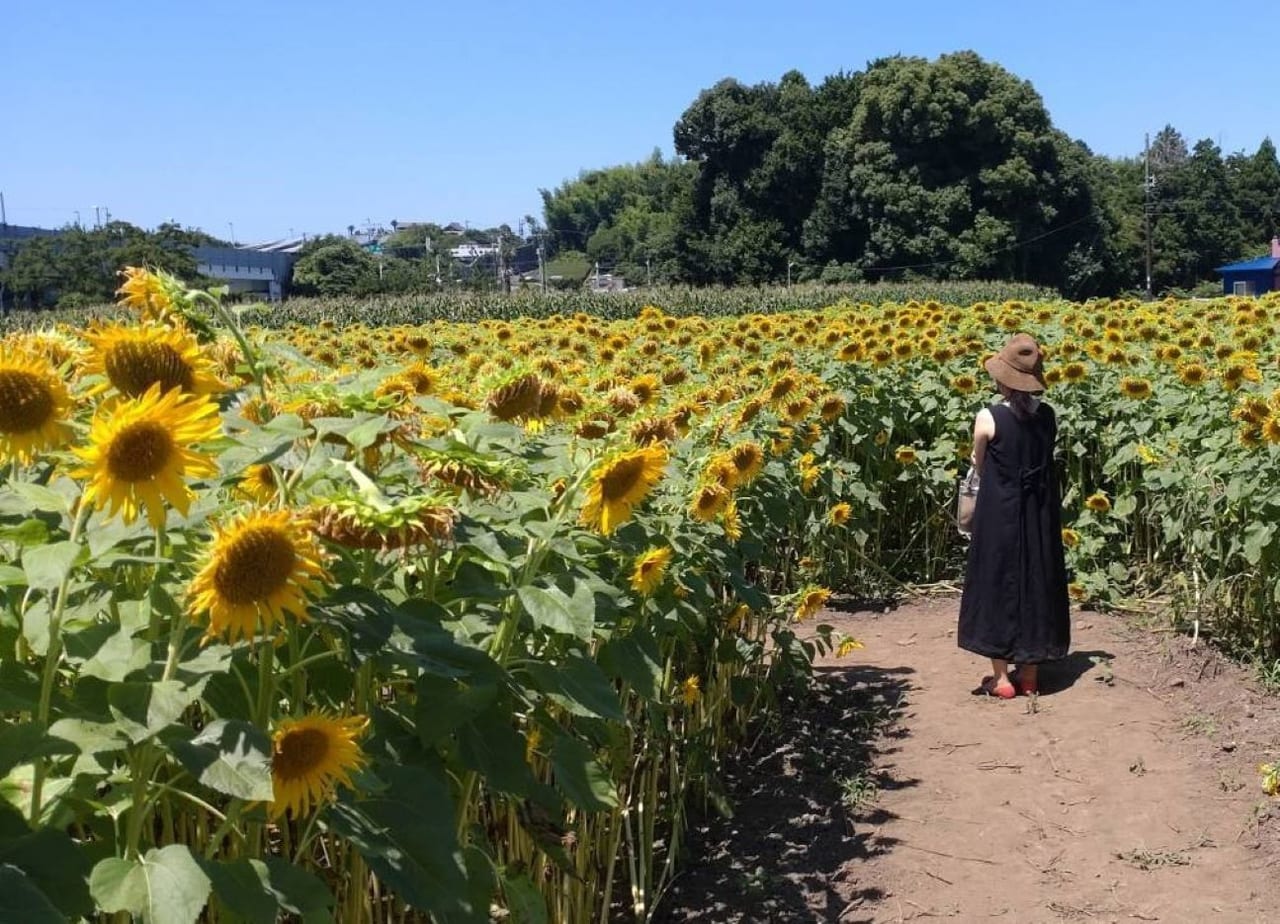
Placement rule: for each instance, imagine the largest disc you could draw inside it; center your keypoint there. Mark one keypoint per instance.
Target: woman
(1014, 608)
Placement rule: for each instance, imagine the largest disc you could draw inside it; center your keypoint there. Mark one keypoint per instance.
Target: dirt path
(1130, 795)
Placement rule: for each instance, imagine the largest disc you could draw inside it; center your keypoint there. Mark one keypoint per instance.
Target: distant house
(263, 269)
(1253, 277)
(471, 251)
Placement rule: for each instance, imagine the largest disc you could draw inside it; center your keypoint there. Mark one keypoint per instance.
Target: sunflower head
(34, 405)
(811, 600)
(906, 455)
(259, 568)
(140, 453)
(151, 294)
(619, 483)
(310, 757)
(133, 358)
(1098, 502)
(404, 523)
(839, 514)
(1070, 538)
(1135, 388)
(650, 569)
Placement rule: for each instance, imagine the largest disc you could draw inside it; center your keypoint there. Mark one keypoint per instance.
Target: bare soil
(892, 794)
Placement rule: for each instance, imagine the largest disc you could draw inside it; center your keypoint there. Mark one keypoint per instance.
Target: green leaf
(50, 859)
(551, 608)
(238, 885)
(230, 756)
(578, 684)
(444, 704)
(47, 565)
(406, 835)
(40, 498)
(29, 532)
(492, 746)
(145, 709)
(297, 891)
(635, 659)
(22, 743)
(164, 886)
(525, 903)
(579, 775)
(1257, 536)
(118, 657)
(22, 902)
(11, 576)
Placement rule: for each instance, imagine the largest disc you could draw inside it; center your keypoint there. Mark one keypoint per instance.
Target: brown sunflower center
(257, 563)
(26, 401)
(135, 367)
(299, 753)
(621, 479)
(140, 451)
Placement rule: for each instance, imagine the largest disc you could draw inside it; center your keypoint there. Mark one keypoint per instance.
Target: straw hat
(1019, 365)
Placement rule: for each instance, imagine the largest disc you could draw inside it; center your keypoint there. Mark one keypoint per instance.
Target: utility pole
(231, 226)
(97, 216)
(542, 264)
(648, 273)
(3, 218)
(1146, 207)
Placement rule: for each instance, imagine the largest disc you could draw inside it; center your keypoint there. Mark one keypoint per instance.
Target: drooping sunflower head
(1098, 502)
(403, 523)
(150, 293)
(650, 569)
(259, 568)
(1138, 389)
(1070, 538)
(132, 358)
(310, 757)
(620, 483)
(839, 514)
(141, 451)
(748, 459)
(34, 405)
(811, 600)
(259, 483)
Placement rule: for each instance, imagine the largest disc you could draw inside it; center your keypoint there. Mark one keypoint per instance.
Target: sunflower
(839, 514)
(1193, 374)
(650, 569)
(34, 404)
(1098, 502)
(731, 522)
(404, 523)
(147, 292)
(847, 645)
(691, 690)
(1135, 388)
(964, 384)
(831, 406)
(265, 565)
(1271, 430)
(140, 451)
(747, 459)
(259, 483)
(619, 484)
(310, 757)
(906, 455)
(709, 502)
(133, 358)
(1070, 538)
(811, 601)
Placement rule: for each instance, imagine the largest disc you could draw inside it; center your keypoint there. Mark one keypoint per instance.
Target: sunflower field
(457, 621)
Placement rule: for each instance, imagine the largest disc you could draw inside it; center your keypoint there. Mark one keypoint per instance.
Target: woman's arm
(984, 430)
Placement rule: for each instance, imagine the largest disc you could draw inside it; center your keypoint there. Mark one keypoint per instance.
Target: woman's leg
(1001, 685)
(1029, 678)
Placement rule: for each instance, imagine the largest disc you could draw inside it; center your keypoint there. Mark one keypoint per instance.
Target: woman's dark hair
(1022, 403)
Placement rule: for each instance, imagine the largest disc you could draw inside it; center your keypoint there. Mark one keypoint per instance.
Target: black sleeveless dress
(1015, 605)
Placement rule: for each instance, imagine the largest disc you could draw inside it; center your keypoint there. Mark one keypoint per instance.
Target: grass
(1145, 859)
(858, 791)
(1269, 676)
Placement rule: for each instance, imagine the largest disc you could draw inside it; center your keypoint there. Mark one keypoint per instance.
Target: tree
(953, 167)
(335, 266)
(1255, 190)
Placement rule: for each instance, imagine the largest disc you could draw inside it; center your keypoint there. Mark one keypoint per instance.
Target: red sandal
(989, 687)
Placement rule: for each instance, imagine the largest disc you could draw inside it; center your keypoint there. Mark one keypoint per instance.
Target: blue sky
(277, 115)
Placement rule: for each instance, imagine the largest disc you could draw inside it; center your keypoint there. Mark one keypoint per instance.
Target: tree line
(945, 169)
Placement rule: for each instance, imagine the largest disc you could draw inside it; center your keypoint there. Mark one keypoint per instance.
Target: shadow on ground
(797, 797)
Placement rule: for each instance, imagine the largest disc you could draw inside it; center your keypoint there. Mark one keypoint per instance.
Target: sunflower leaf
(50, 859)
(47, 565)
(231, 757)
(551, 608)
(145, 709)
(578, 684)
(164, 886)
(22, 900)
(579, 775)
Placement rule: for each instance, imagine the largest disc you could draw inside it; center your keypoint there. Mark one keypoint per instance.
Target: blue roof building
(1253, 277)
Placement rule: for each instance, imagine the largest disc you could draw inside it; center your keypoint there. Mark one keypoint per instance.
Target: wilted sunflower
(403, 523)
(140, 451)
(1193, 374)
(691, 690)
(1070, 538)
(1098, 502)
(847, 645)
(811, 601)
(310, 757)
(906, 455)
(619, 483)
(132, 358)
(839, 514)
(649, 570)
(34, 404)
(747, 459)
(263, 565)
(731, 522)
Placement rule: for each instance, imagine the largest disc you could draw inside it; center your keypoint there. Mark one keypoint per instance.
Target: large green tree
(953, 167)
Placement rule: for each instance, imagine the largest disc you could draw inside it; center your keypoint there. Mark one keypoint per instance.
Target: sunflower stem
(250, 354)
(52, 655)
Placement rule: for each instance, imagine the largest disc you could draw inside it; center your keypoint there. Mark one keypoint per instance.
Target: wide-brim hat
(1020, 365)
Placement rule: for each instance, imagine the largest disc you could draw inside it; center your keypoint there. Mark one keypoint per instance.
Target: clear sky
(277, 115)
